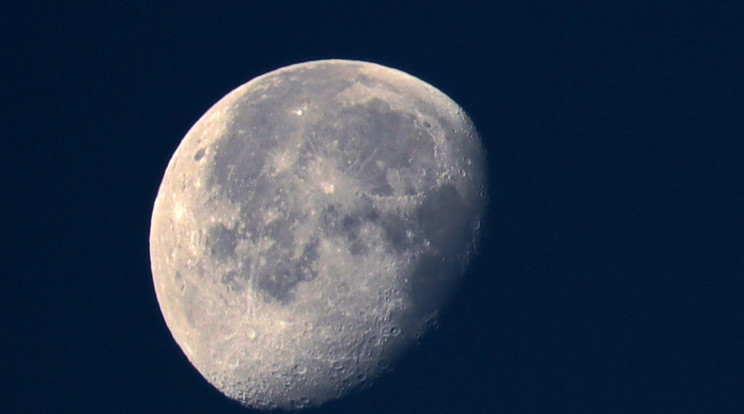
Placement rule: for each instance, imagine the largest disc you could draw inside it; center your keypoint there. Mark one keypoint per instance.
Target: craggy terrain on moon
(311, 225)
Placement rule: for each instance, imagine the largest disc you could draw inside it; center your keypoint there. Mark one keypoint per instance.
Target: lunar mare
(311, 225)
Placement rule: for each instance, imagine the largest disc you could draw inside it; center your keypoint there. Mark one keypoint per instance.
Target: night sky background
(610, 279)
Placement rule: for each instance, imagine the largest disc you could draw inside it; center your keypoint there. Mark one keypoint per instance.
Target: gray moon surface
(311, 226)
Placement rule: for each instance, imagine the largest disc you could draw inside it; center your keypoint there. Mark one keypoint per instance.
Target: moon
(311, 226)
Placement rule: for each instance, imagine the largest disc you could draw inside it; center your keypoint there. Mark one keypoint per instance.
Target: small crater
(280, 231)
(394, 331)
(250, 333)
(373, 341)
(427, 125)
(299, 369)
(199, 154)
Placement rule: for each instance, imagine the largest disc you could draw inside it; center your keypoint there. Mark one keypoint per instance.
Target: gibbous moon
(311, 225)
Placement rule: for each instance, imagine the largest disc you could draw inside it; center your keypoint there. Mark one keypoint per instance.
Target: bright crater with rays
(310, 227)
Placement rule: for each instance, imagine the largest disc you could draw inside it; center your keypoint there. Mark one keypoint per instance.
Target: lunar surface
(311, 226)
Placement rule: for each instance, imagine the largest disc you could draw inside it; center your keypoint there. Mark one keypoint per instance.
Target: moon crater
(310, 227)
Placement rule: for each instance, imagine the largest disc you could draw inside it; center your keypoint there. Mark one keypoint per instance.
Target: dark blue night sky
(611, 276)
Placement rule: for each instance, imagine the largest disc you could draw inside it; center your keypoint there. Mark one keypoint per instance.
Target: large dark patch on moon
(369, 139)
